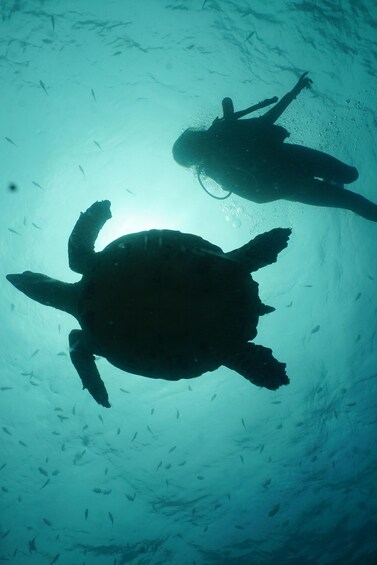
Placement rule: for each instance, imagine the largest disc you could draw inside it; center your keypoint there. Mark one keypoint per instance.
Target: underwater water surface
(212, 470)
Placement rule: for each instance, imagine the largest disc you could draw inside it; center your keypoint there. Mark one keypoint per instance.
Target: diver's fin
(262, 250)
(84, 234)
(257, 364)
(83, 361)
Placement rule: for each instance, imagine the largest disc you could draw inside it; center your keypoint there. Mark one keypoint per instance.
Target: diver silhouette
(250, 158)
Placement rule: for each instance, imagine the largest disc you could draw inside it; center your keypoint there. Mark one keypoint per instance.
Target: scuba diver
(251, 158)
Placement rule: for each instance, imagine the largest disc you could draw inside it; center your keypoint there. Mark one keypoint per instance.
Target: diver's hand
(303, 82)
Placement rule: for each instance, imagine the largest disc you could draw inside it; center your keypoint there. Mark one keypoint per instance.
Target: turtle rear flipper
(83, 361)
(257, 364)
(262, 250)
(84, 234)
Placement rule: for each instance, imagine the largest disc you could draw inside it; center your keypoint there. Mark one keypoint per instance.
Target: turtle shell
(169, 305)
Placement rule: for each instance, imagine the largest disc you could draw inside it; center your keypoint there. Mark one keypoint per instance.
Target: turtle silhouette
(161, 304)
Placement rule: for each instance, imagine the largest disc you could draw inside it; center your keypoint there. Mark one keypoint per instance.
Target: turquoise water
(93, 96)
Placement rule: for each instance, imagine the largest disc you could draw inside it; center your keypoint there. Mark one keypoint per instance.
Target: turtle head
(46, 290)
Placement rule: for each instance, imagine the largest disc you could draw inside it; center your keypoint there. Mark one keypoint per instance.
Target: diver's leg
(315, 163)
(319, 193)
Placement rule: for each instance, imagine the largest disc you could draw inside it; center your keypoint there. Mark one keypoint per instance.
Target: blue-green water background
(93, 95)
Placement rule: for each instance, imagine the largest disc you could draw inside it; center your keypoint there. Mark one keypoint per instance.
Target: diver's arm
(275, 112)
(230, 114)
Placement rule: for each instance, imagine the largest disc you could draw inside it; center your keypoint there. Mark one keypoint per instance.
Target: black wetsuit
(251, 158)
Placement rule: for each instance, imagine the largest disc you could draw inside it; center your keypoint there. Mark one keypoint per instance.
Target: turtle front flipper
(84, 234)
(83, 361)
(257, 364)
(262, 250)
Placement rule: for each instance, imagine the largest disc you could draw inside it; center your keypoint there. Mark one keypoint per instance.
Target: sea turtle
(161, 304)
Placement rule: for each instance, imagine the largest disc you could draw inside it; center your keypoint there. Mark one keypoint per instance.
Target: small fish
(47, 522)
(134, 437)
(177, 416)
(22, 443)
(152, 411)
(74, 410)
(62, 418)
(100, 418)
(5, 430)
(358, 296)
(239, 527)
(98, 145)
(53, 22)
(190, 388)
(274, 510)
(32, 546)
(130, 497)
(200, 477)
(118, 431)
(289, 305)
(45, 484)
(14, 231)
(36, 227)
(86, 513)
(213, 397)
(85, 427)
(43, 86)
(261, 448)
(97, 490)
(55, 473)
(111, 518)
(34, 354)
(9, 140)
(94, 95)
(250, 36)
(266, 483)
(82, 170)
(130, 192)
(172, 449)
(55, 559)
(218, 505)
(37, 184)
(6, 388)
(243, 423)
(168, 466)
(124, 390)
(182, 463)
(106, 491)
(241, 457)
(276, 402)
(106, 470)
(315, 329)
(149, 430)
(159, 465)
